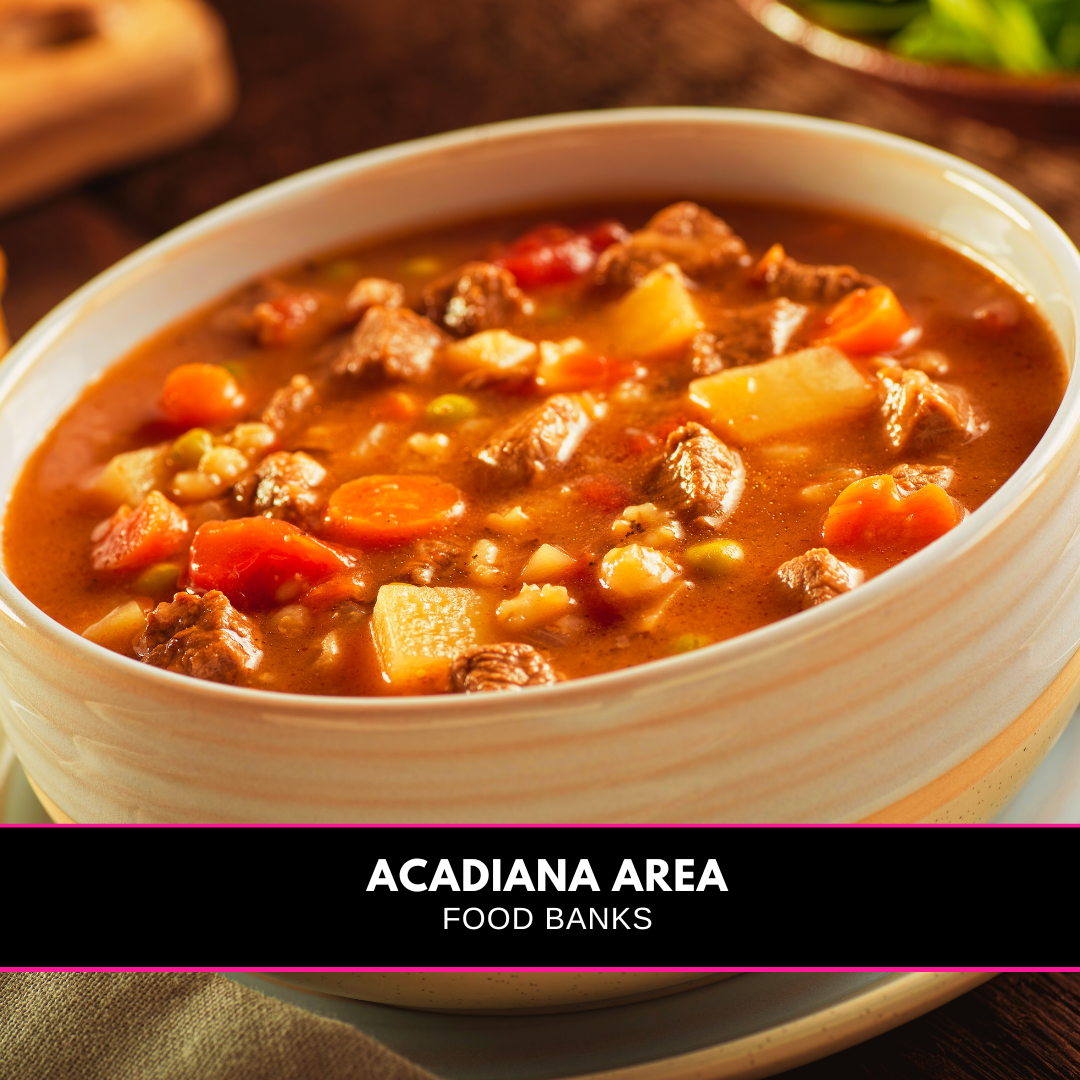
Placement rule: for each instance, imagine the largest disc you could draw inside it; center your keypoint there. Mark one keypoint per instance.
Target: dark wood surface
(325, 78)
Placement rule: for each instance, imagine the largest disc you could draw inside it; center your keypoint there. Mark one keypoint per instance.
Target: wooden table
(325, 78)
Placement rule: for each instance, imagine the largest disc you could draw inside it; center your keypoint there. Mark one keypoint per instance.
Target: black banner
(272, 898)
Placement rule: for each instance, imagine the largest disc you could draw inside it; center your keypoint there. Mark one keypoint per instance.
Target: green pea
(550, 313)
(716, 558)
(689, 642)
(157, 580)
(190, 447)
(421, 266)
(450, 409)
(341, 270)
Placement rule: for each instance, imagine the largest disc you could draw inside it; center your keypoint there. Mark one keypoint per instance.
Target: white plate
(753, 1025)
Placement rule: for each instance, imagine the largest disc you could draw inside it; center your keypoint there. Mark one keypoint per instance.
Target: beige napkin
(168, 1026)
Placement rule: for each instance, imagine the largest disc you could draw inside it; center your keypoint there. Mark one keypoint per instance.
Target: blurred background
(319, 79)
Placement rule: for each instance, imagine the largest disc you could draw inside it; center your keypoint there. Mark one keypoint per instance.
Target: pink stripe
(578, 970)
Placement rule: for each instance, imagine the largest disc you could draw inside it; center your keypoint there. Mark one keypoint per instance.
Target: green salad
(1025, 37)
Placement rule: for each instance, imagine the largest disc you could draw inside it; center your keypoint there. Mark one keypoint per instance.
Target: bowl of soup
(647, 465)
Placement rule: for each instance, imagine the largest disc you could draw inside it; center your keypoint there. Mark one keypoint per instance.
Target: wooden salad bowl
(1046, 106)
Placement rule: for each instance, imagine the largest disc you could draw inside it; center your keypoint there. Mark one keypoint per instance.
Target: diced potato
(777, 397)
(117, 629)
(130, 477)
(512, 522)
(552, 353)
(648, 524)
(291, 621)
(418, 630)
(435, 448)
(492, 352)
(217, 470)
(546, 563)
(535, 605)
(252, 439)
(484, 566)
(656, 316)
(330, 652)
(636, 573)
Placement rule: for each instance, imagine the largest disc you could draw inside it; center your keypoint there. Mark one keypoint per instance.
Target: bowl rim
(787, 22)
(454, 709)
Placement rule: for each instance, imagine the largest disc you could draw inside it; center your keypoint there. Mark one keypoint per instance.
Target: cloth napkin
(174, 1026)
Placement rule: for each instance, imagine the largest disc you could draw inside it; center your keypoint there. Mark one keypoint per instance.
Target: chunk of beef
(705, 357)
(684, 233)
(430, 559)
(203, 636)
(700, 475)
(816, 577)
(780, 275)
(289, 404)
(920, 413)
(752, 334)
(477, 296)
(283, 320)
(913, 477)
(283, 486)
(393, 342)
(371, 291)
(507, 665)
(540, 441)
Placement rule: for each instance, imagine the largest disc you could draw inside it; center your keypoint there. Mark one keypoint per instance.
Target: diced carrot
(866, 321)
(135, 538)
(585, 371)
(874, 514)
(261, 562)
(386, 510)
(196, 395)
(772, 257)
(395, 405)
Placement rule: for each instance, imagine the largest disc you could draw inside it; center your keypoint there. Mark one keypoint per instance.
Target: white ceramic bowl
(925, 694)
(498, 991)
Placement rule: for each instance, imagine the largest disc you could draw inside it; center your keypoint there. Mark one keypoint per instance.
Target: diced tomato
(261, 562)
(387, 510)
(603, 492)
(641, 442)
(154, 530)
(395, 405)
(198, 395)
(866, 321)
(873, 514)
(280, 321)
(552, 253)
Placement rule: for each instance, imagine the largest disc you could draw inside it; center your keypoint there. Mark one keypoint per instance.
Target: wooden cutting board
(86, 85)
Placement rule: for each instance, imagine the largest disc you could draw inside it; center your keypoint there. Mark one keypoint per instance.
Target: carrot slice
(866, 321)
(874, 514)
(385, 510)
(200, 394)
(152, 531)
(261, 562)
